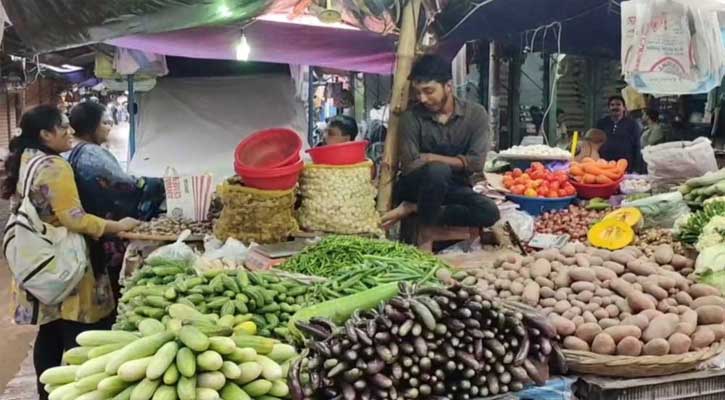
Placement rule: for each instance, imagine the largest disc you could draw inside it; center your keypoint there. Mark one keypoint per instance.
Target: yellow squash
(611, 234)
(629, 215)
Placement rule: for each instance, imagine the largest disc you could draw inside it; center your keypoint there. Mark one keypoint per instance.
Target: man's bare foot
(397, 214)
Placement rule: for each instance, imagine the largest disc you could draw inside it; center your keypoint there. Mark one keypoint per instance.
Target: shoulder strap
(30, 172)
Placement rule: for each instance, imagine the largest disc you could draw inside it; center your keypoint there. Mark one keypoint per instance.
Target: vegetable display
(598, 172)
(698, 190)
(574, 221)
(164, 226)
(354, 264)
(168, 362)
(345, 192)
(430, 343)
(536, 152)
(690, 231)
(649, 239)
(264, 300)
(537, 181)
(252, 215)
(611, 302)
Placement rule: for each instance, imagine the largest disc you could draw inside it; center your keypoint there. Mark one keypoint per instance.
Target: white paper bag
(188, 197)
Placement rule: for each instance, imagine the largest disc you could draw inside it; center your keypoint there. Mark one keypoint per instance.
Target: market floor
(15, 343)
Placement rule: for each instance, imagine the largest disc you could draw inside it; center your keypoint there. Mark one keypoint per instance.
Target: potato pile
(253, 215)
(338, 199)
(611, 302)
(649, 239)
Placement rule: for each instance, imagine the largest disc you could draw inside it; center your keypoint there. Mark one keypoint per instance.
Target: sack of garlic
(338, 199)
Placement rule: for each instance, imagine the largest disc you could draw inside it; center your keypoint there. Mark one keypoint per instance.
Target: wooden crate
(700, 385)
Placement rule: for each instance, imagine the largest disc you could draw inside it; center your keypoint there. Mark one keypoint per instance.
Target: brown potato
(622, 257)
(702, 337)
(587, 331)
(702, 290)
(629, 277)
(541, 267)
(601, 314)
(653, 289)
(581, 286)
(574, 343)
(651, 314)
(547, 292)
(582, 274)
(718, 330)
(544, 282)
(620, 332)
(638, 302)
(615, 267)
(596, 261)
(656, 347)
(563, 326)
(606, 323)
(638, 320)
(578, 320)
(666, 282)
(602, 292)
(679, 343)
(684, 298)
(603, 344)
(604, 274)
(664, 254)
(629, 346)
(707, 301)
(547, 302)
(661, 327)
(710, 315)
(585, 296)
(589, 317)
(681, 262)
(531, 293)
(613, 310)
(560, 294)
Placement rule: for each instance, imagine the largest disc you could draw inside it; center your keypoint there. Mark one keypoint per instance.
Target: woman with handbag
(105, 189)
(35, 171)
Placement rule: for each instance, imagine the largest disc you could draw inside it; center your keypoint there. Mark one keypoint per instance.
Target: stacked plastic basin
(270, 159)
(348, 153)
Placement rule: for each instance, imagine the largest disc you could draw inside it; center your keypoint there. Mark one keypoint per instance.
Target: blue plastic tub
(537, 206)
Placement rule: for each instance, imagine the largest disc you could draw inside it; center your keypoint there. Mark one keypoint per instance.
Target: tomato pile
(537, 181)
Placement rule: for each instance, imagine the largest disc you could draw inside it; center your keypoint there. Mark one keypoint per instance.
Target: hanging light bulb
(243, 49)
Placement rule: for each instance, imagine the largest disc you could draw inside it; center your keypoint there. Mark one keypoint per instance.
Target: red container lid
(347, 153)
(269, 148)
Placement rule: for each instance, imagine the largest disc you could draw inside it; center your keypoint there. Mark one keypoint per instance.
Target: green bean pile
(354, 264)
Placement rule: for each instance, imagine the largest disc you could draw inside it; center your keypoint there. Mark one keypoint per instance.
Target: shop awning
(589, 27)
(50, 25)
(273, 38)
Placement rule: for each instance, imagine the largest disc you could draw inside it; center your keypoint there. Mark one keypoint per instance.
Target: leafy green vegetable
(691, 230)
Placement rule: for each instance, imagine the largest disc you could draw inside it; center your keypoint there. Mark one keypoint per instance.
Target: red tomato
(543, 191)
(516, 173)
(537, 174)
(554, 185)
(537, 166)
(570, 191)
(553, 194)
(525, 177)
(518, 189)
(561, 177)
(563, 193)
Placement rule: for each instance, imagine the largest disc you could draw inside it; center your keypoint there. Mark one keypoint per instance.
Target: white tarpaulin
(194, 124)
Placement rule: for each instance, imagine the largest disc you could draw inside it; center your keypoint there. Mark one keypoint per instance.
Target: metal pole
(310, 105)
(131, 119)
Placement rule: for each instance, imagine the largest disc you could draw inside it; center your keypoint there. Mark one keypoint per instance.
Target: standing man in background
(623, 136)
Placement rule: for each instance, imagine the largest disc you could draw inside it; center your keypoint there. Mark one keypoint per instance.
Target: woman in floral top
(105, 189)
(45, 131)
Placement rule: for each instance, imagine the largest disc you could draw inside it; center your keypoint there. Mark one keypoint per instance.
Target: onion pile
(431, 343)
(574, 221)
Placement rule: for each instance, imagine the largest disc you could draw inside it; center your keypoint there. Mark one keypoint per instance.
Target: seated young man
(443, 143)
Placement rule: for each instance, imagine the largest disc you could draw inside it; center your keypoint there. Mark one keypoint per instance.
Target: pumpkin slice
(629, 215)
(611, 234)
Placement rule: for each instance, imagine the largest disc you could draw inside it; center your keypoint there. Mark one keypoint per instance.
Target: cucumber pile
(265, 299)
(169, 362)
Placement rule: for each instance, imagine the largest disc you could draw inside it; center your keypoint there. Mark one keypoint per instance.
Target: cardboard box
(700, 385)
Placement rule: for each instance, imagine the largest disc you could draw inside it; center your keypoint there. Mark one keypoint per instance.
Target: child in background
(340, 129)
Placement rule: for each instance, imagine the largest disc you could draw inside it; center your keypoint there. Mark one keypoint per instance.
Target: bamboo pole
(399, 101)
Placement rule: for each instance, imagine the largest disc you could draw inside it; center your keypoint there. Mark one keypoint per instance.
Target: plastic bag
(662, 210)
(232, 250)
(522, 223)
(671, 46)
(634, 184)
(177, 252)
(676, 162)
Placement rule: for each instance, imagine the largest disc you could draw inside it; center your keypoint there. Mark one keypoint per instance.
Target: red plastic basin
(281, 178)
(271, 148)
(590, 191)
(339, 154)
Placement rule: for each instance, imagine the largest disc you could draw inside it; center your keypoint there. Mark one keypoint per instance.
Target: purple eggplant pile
(427, 343)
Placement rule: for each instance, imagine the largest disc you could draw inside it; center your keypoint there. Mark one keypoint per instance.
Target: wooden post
(399, 101)
(494, 93)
